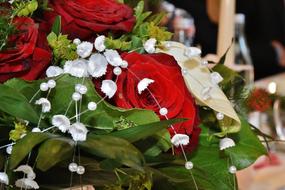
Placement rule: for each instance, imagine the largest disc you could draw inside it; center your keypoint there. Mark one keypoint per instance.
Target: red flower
(83, 18)
(259, 100)
(30, 54)
(168, 89)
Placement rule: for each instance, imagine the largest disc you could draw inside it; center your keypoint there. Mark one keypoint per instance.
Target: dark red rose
(84, 18)
(259, 100)
(169, 89)
(27, 55)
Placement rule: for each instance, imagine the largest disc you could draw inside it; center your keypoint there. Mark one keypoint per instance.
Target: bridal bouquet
(94, 93)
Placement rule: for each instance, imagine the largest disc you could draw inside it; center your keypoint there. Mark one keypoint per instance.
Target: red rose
(27, 55)
(169, 90)
(83, 18)
(259, 100)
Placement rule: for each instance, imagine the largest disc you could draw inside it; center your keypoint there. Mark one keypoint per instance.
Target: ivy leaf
(56, 27)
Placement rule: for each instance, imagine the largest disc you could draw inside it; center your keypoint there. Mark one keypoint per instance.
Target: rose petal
(180, 139)
(143, 84)
(78, 131)
(76, 68)
(45, 103)
(84, 49)
(97, 65)
(61, 122)
(54, 71)
(109, 87)
(27, 184)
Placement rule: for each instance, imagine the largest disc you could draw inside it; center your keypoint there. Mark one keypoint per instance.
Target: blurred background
(254, 30)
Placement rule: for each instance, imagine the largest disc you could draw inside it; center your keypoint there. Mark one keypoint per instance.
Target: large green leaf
(143, 131)
(24, 146)
(114, 148)
(17, 105)
(248, 147)
(53, 151)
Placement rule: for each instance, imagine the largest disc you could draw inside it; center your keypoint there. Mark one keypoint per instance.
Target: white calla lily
(143, 84)
(216, 78)
(61, 122)
(97, 65)
(113, 57)
(180, 139)
(27, 183)
(109, 88)
(4, 178)
(100, 43)
(78, 131)
(76, 68)
(45, 103)
(84, 49)
(54, 71)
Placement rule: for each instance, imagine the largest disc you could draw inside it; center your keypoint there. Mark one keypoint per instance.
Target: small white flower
(54, 71)
(84, 49)
(26, 169)
(216, 78)
(76, 41)
(180, 139)
(226, 143)
(61, 122)
(27, 183)
(143, 84)
(99, 43)
(113, 57)
(97, 65)
(192, 52)
(78, 132)
(109, 87)
(76, 68)
(45, 103)
(11, 1)
(4, 178)
(149, 45)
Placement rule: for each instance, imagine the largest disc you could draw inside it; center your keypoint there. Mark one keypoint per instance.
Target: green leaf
(53, 151)
(56, 27)
(143, 131)
(114, 148)
(24, 146)
(248, 147)
(17, 105)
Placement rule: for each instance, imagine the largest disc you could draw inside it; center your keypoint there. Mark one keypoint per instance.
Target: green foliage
(6, 29)
(56, 27)
(25, 8)
(146, 27)
(63, 48)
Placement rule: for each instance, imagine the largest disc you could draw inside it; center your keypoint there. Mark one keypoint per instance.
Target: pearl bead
(9, 149)
(204, 63)
(76, 41)
(232, 169)
(189, 165)
(117, 71)
(92, 106)
(83, 89)
(125, 64)
(36, 130)
(167, 45)
(220, 116)
(77, 87)
(76, 96)
(163, 111)
(184, 71)
(44, 87)
(73, 167)
(80, 170)
(51, 83)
